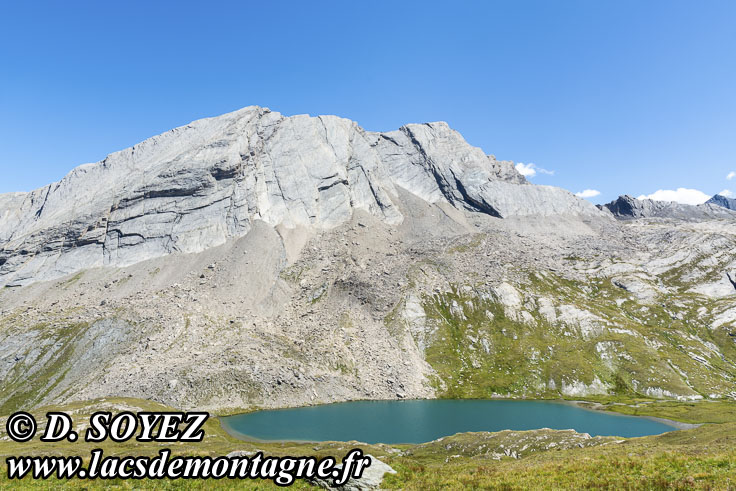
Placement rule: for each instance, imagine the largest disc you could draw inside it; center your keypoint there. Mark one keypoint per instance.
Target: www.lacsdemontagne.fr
(281, 470)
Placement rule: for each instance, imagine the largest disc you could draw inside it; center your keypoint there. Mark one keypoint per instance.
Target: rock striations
(196, 186)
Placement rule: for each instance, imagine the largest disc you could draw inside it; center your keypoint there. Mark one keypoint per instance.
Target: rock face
(723, 201)
(371, 478)
(627, 208)
(196, 186)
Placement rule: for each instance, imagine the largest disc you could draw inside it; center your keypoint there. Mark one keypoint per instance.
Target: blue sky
(620, 96)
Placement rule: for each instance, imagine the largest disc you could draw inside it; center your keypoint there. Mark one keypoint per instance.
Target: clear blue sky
(617, 96)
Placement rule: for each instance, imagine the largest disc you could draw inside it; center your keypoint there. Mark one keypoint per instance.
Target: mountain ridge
(627, 207)
(201, 184)
(723, 201)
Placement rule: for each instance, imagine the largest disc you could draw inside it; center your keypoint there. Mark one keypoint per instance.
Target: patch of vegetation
(124, 280)
(57, 349)
(71, 281)
(686, 412)
(659, 349)
(573, 258)
(292, 274)
(473, 243)
(479, 351)
(393, 321)
(319, 294)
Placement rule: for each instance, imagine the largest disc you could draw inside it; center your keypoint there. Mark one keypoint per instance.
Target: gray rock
(628, 208)
(197, 186)
(242, 453)
(723, 201)
(76, 356)
(371, 479)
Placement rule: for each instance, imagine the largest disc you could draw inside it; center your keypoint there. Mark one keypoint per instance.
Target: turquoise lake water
(425, 420)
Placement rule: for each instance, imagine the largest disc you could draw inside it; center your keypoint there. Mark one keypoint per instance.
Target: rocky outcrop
(371, 478)
(628, 208)
(199, 185)
(720, 200)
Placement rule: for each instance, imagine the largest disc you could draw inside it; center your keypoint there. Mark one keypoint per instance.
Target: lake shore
(597, 406)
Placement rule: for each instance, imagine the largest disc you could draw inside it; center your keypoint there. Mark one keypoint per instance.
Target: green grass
(71, 281)
(468, 244)
(478, 350)
(686, 412)
(28, 391)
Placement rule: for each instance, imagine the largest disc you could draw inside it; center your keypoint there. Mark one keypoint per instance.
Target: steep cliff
(197, 186)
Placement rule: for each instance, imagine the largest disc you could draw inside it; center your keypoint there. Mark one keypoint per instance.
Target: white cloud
(726, 192)
(731, 175)
(588, 193)
(526, 170)
(681, 195)
(530, 170)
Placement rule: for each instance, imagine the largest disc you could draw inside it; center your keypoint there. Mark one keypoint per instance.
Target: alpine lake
(418, 421)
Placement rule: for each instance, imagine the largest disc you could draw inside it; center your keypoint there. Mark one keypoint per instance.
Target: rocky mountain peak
(628, 208)
(720, 200)
(198, 185)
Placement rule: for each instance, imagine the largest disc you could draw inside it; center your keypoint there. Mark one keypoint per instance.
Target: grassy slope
(704, 457)
(639, 349)
(693, 412)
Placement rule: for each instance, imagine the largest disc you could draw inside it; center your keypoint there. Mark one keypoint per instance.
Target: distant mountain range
(627, 207)
(723, 201)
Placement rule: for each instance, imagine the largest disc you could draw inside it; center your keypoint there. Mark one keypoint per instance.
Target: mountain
(256, 260)
(627, 207)
(200, 185)
(723, 201)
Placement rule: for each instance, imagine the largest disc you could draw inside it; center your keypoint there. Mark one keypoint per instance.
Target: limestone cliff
(197, 186)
